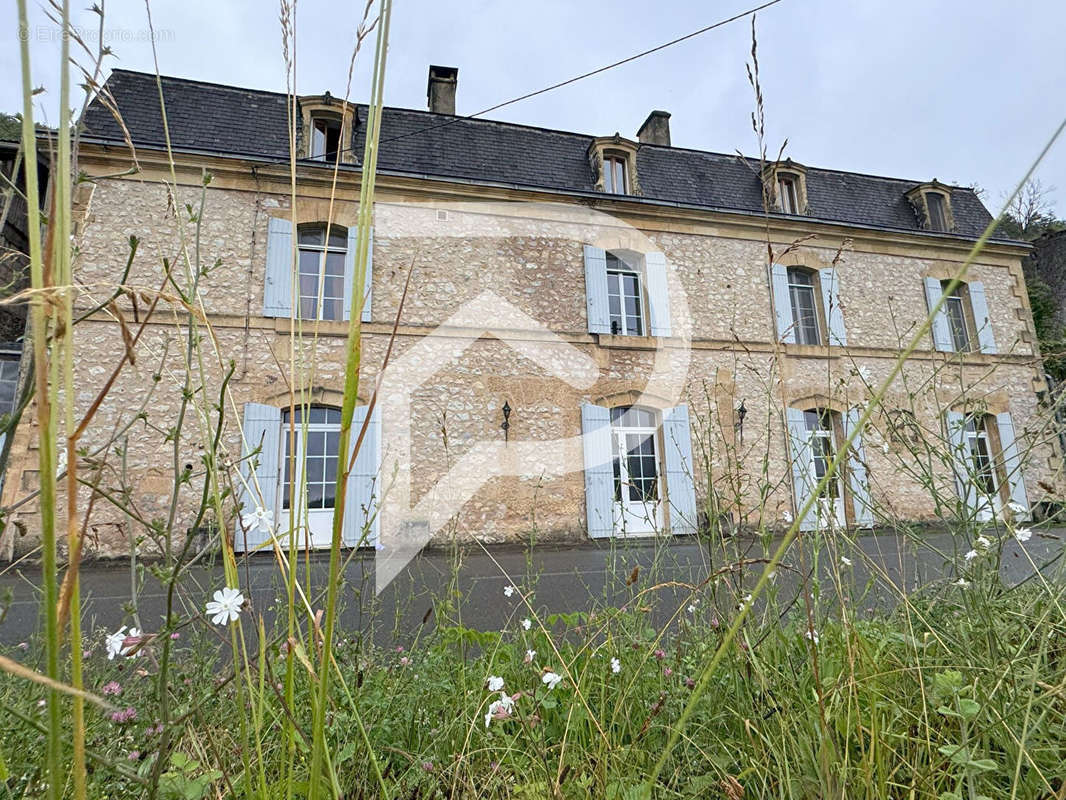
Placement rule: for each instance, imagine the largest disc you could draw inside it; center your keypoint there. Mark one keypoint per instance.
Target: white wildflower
(260, 519)
(616, 666)
(962, 582)
(1017, 509)
(692, 608)
(226, 606)
(970, 555)
(495, 683)
(508, 591)
(530, 655)
(845, 561)
(551, 679)
(812, 635)
(499, 709)
(983, 542)
(1023, 534)
(787, 516)
(526, 624)
(116, 643)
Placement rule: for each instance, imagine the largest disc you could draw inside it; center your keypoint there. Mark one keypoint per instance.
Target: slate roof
(243, 122)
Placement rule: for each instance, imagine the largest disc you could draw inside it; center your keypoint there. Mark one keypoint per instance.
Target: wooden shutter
(858, 478)
(981, 320)
(786, 328)
(834, 314)
(1012, 462)
(800, 456)
(350, 256)
(262, 432)
(360, 526)
(277, 288)
(596, 290)
(955, 423)
(599, 473)
(941, 328)
(680, 487)
(658, 293)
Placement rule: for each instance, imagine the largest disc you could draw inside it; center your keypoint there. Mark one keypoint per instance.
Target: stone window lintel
(617, 144)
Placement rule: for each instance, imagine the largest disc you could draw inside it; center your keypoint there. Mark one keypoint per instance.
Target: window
(787, 194)
(937, 211)
(325, 138)
(310, 469)
(820, 429)
(9, 375)
(624, 298)
(636, 469)
(322, 272)
(960, 316)
(803, 296)
(979, 451)
(614, 174)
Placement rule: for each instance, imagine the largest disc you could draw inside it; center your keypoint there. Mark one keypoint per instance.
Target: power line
(589, 74)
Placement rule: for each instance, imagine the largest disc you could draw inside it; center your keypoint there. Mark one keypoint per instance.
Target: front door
(830, 506)
(986, 479)
(637, 506)
(313, 475)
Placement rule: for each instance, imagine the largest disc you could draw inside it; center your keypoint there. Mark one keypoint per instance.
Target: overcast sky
(967, 91)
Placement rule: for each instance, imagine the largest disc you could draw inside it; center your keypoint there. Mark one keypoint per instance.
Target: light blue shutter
(658, 293)
(262, 431)
(834, 314)
(277, 288)
(680, 488)
(858, 479)
(596, 290)
(363, 483)
(960, 459)
(786, 327)
(599, 473)
(942, 338)
(349, 273)
(1012, 462)
(800, 452)
(981, 319)
(369, 285)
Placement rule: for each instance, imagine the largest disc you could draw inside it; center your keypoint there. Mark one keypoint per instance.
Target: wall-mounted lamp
(741, 413)
(506, 420)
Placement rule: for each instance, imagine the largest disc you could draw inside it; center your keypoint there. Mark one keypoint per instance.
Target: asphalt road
(571, 578)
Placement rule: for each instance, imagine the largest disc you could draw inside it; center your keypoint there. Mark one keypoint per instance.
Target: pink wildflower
(111, 687)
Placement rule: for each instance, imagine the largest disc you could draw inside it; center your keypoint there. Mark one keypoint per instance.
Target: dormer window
(787, 196)
(938, 218)
(325, 138)
(785, 187)
(614, 165)
(326, 129)
(614, 174)
(932, 204)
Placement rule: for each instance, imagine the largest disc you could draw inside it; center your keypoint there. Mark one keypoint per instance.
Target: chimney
(656, 129)
(440, 90)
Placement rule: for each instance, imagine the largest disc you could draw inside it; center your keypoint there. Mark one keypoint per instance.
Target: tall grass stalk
(353, 351)
(42, 286)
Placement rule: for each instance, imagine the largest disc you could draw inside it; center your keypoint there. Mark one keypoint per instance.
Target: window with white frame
(624, 297)
(960, 316)
(788, 194)
(981, 454)
(310, 452)
(322, 271)
(803, 295)
(615, 179)
(325, 137)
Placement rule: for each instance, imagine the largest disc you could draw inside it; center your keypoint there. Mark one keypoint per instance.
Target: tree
(10, 127)
(1031, 213)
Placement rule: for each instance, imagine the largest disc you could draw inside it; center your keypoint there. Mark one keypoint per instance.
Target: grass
(958, 692)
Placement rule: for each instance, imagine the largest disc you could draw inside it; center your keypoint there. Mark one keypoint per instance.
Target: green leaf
(969, 708)
(983, 765)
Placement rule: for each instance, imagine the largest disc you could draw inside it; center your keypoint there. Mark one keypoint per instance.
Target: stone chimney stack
(656, 129)
(440, 91)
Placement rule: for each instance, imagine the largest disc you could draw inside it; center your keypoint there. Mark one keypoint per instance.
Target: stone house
(601, 336)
